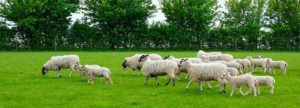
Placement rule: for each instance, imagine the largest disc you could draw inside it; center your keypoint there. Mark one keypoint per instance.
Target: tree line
(122, 24)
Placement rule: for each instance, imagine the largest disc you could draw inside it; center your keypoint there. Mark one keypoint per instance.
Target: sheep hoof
(157, 84)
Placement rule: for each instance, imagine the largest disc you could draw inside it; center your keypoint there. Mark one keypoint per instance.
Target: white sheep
(262, 62)
(245, 63)
(264, 80)
(232, 71)
(216, 57)
(133, 61)
(57, 63)
(238, 81)
(156, 68)
(277, 64)
(96, 71)
(201, 53)
(206, 72)
(231, 64)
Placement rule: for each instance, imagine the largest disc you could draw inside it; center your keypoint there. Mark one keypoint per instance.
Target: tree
(41, 24)
(192, 17)
(6, 36)
(119, 21)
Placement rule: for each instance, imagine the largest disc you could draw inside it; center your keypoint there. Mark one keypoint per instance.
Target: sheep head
(167, 57)
(124, 64)
(44, 71)
(142, 57)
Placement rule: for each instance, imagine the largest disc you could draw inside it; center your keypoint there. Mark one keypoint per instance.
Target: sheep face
(143, 58)
(182, 62)
(226, 76)
(44, 71)
(124, 65)
(167, 57)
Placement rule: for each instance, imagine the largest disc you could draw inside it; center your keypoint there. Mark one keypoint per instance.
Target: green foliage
(40, 23)
(119, 21)
(6, 36)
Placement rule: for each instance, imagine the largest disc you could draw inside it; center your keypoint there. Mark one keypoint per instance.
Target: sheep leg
(248, 90)
(241, 91)
(187, 86)
(168, 81)
(71, 70)
(283, 71)
(254, 89)
(187, 76)
(156, 80)
(90, 78)
(146, 81)
(200, 86)
(208, 84)
(271, 89)
(58, 73)
(173, 80)
(258, 91)
(232, 90)
(139, 73)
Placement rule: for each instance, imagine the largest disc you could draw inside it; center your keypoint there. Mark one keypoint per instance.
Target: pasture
(22, 84)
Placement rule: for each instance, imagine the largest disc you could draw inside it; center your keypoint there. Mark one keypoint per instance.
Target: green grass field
(22, 85)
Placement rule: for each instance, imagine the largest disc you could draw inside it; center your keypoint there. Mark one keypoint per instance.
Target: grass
(22, 85)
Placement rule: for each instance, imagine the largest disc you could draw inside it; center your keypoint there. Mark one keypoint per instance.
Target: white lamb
(264, 80)
(156, 68)
(232, 71)
(238, 81)
(231, 64)
(206, 72)
(201, 53)
(96, 71)
(57, 63)
(133, 61)
(245, 63)
(277, 64)
(258, 63)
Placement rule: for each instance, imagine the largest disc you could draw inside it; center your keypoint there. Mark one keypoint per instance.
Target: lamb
(206, 72)
(96, 71)
(230, 64)
(57, 63)
(258, 63)
(238, 81)
(181, 62)
(245, 63)
(232, 71)
(277, 64)
(133, 61)
(201, 53)
(264, 80)
(156, 68)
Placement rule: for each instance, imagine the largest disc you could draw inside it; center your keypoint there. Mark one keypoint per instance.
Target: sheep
(201, 52)
(133, 61)
(57, 63)
(245, 63)
(232, 71)
(216, 57)
(156, 68)
(238, 81)
(264, 80)
(181, 62)
(205, 72)
(231, 64)
(258, 63)
(277, 64)
(96, 71)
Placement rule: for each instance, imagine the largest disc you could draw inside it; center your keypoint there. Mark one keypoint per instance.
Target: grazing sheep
(156, 68)
(258, 63)
(232, 71)
(277, 64)
(57, 63)
(238, 81)
(96, 71)
(264, 80)
(245, 63)
(206, 72)
(201, 53)
(133, 61)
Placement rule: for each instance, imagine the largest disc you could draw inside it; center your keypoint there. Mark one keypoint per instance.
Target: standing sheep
(57, 63)
(238, 81)
(201, 53)
(232, 71)
(216, 57)
(258, 63)
(277, 64)
(264, 80)
(96, 71)
(156, 68)
(206, 72)
(245, 63)
(133, 61)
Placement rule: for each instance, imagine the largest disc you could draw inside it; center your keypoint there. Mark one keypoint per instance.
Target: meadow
(22, 84)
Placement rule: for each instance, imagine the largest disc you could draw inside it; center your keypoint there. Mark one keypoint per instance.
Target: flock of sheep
(205, 67)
